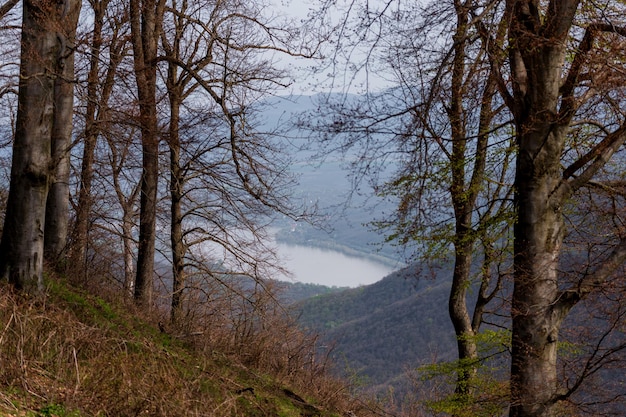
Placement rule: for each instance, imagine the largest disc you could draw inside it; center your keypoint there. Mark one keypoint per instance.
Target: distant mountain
(381, 330)
(324, 182)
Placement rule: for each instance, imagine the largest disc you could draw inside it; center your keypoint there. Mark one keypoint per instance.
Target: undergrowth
(71, 353)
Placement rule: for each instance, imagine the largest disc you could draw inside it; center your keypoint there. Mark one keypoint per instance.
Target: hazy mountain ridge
(381, 330)
(324, 182)
(377, 331)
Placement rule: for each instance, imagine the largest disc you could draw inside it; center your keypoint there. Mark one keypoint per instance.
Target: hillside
(72, 353)
(381, 330)
(293, 292)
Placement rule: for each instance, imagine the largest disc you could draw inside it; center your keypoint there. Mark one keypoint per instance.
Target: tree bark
(537, 58)
(146, 17)
(22, 246)
(176, 192)
(128, 247)
(537, 245)
(58, 202)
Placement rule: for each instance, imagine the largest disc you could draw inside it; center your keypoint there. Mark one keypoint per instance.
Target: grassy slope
(75, 354)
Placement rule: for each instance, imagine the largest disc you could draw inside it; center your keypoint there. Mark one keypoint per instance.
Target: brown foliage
(75, 350)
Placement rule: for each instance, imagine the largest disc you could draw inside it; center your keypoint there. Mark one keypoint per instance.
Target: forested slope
(381, 330)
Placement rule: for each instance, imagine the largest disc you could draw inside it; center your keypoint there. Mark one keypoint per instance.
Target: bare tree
(122, 161)
(58, 202)
(100, 86)
(43, 53)
(225, 185)
(146, 24)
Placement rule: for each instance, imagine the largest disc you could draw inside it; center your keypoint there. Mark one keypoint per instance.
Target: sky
(335, 79)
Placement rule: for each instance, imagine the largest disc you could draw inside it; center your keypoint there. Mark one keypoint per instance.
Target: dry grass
(72, 353)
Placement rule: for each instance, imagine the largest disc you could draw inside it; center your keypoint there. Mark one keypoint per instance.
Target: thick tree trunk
(538, 239)
(22, 247)
(58, 203)
(147, 221)
(537, 65)
(544, 104)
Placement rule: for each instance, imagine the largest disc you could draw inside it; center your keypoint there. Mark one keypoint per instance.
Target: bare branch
(591, 282)
(6, 7)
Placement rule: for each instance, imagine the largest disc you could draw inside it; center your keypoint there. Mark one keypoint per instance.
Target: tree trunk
(129, 248)
(461, 320)
(128, 204)
(543, 104)
(175, 92)
(147, 222)
(80, 234)
(537, 244)
(538, 239)
(537, 60)
(146, 19)
(83, 209)
(464, 194)
(176, 191)
(58, 202)
(22, 246)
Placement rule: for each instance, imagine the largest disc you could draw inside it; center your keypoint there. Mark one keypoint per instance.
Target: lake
(330, 268)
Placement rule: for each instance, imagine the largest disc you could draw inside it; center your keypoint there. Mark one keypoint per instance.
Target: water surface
(330, 268)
